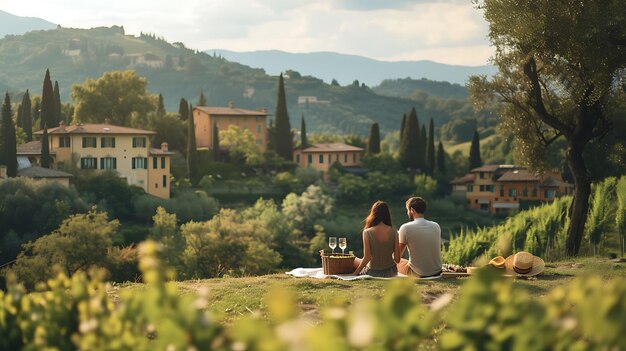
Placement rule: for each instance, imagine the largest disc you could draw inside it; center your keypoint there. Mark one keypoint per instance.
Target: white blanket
(318, 273)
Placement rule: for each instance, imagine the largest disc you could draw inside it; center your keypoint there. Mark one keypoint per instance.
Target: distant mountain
(75, 55)
(348, 68)
(411, 88)
(16, 25)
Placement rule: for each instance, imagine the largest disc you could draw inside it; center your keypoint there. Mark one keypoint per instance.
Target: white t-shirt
(423, 239)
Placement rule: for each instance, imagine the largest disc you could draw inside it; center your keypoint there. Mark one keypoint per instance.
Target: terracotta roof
(491, 168)
(39, 172)
(30, 148)
(468, 178)
(551, 182)
(332, 147)
(96, 129)
(230, 111)
(519, 175)
(160, 152)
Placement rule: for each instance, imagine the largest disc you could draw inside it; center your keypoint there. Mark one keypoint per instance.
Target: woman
(381, 249)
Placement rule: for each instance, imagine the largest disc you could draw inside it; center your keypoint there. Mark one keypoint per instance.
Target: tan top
(423, 239)
(382, 252)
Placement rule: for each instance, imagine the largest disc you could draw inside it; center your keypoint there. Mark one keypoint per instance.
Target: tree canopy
(120, 96)
(558, 64)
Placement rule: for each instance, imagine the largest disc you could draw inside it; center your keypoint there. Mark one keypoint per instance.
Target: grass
(465, 147)
(231, 298)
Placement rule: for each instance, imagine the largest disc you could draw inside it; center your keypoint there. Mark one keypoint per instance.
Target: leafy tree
(36, 113)
(620, 212)
(373, 141)
(305, 210)
(170, 129)
(27, 119)
(45, 148)
(81, 241)
(425, 186)
(430, 149)
(441, 159)
(8, 146)
(557, 75)
(202, 99)
(47, 103)
(240, 143)
(57, 105)
(192, 151)
(474, 155)
(165, 231)
(283, 136)
(18, 119)
(183, 109)
(110, 192)
(303, 140)
(120, 96)
(409, 147)
(334, 83)
(216, 143)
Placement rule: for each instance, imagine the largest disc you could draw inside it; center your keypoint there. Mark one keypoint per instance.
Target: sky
(445, 31)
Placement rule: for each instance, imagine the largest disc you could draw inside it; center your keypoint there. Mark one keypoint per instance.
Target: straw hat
(497, 262)
(523, 264)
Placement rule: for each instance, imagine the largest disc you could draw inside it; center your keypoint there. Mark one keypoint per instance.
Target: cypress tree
(303, 139)
(37, 113)
(8, 138)
(192, 152)
(441, 159)
(183, 109)
(421, 150)
(373, 141)
(47, 103)
(57, 105)
(283, 136)
(474, 156)
(271, 136)
(160, 107)
(409, 141)
(402, 127)
(45, 148)
(430, 148)
(216, 143)
(18, 120)
(202, 100)
(27, 121)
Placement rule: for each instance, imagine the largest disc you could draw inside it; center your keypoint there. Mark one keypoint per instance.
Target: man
(423, 238)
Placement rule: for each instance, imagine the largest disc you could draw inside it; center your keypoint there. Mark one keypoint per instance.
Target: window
(489, 188)
(321, 157)
(139, 142)
(482, 175)
(165, 181)
(470, 188)
(513, 192)
(501, 190)
(88, 163)
(162, 162)
(337, 158)
(534, 193)
(89, 142)
(549, 194)
(108, 163)
(309, 159)
(140, 163)
(298, 158)
(259, 128)
(354, 157)
(64, 141)
(107, 142)
(525, 192)
(259, 141)
(330, 158)
(345, 158)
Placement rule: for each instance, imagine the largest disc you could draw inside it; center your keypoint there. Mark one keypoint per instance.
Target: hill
(75, 55)
(348, 68)
(15, 25)
(408, 88)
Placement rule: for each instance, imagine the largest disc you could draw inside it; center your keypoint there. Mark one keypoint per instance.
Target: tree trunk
(580, 204)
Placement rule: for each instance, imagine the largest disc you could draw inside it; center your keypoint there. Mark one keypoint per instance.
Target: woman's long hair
(378, 213)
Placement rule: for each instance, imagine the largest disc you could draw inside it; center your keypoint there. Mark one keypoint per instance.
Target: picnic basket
(337, 263)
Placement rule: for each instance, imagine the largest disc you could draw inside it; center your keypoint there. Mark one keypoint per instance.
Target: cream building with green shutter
(124, 150)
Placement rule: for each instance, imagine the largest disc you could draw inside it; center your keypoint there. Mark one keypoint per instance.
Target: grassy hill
(74, 55)
(408, 87)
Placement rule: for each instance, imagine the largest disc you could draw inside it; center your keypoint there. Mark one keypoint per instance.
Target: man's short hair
(416, 203)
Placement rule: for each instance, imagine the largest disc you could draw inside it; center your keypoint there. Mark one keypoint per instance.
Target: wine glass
(332, 242)
(343, 243)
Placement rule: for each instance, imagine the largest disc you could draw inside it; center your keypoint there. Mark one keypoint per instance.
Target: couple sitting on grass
(383, 245)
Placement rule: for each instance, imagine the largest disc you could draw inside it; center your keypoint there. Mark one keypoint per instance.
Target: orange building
(124, 150)
(321, 156)
(498, 189)
(205, 117)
